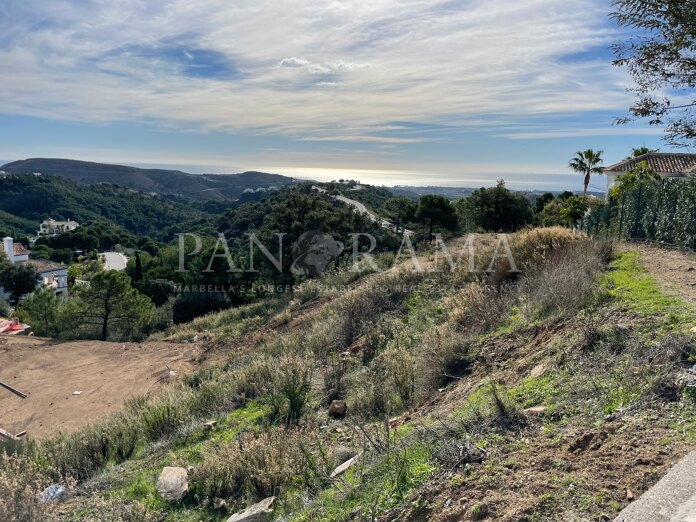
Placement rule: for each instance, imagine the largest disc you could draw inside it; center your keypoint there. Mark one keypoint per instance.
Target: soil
(675, 270)
(106, 374)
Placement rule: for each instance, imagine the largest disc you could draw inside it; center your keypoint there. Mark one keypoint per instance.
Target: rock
(535, 409)
(629, 495)
(219, 503)
(260, 512)
(340, 470)
(537, 371)
(172, 483)
(338, 409)
(54, 493)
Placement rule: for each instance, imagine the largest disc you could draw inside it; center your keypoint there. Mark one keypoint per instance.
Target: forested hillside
(193, 187)
(30, 199)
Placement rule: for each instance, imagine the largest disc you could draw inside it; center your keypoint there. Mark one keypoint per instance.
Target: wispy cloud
(305, 69)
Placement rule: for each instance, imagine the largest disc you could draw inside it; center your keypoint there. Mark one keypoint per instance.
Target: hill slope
(25, 200)
(465, 401)
(169, 182)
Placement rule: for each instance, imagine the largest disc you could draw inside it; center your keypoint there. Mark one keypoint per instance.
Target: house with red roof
(52, 275)
(667, 165)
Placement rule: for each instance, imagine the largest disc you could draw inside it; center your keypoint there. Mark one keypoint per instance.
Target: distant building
(667, 165)
(51, 227)
(52, 275)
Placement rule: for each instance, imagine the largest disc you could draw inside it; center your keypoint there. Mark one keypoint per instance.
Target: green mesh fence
(662, 211)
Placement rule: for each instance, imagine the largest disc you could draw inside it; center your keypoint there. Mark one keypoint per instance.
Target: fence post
(607, 221)
(636, 221)
(652, 231)
(621, 214)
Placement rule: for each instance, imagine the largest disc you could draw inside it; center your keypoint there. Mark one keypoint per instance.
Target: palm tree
(587, 162)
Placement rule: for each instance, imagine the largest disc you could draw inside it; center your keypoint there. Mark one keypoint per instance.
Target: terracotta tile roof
(18, 249)
(43, 265)
(660, 162)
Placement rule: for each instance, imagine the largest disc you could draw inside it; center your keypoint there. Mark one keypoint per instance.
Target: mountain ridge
(199, 187)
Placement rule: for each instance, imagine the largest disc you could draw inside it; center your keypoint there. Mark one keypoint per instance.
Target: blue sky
(390, 92)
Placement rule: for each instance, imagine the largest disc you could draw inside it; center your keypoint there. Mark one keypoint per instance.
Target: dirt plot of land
(106, 374)
(675, 270)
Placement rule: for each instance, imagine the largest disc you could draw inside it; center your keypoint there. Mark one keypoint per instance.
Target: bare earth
(106, 373)
(674, 270)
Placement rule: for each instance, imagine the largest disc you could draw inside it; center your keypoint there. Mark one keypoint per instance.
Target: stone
(535, 409)
(338, 409)
(537, 371)
(172, 483)
(340, 470)
(54, 493)
(260, 512)
(629, 495)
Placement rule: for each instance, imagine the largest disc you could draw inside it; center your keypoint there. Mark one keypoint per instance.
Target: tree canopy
(660, 55)
(110, 301)
(495, 209)
(436, 211)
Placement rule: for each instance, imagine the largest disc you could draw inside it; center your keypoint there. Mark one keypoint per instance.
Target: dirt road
(674, 270)
(50, 371)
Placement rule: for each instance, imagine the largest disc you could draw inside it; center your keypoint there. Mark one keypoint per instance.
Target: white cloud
(438, 62)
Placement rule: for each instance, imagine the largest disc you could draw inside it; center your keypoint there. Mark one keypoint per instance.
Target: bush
(290, 388)
(21, 482)
(448, 354)
(255, 466)
(564, 283)
(479, 308)
(5, 309)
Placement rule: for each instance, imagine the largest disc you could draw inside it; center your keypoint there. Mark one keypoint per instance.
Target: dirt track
(50, 371)
(675, 270)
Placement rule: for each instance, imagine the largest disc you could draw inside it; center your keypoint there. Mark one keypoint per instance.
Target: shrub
(479, 308)
(21, 482)
(290, 388)
(256, 466)
(564, 283)
(448, 354)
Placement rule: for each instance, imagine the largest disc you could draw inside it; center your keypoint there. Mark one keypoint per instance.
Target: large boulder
(172, 483)
(260, 512)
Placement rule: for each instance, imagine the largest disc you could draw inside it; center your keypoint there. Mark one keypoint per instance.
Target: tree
(41, 307)
(138, 268)
(587, 162)
(641, 174)
(659, 53)
(542, 201)
(436, 211)
(640, 151)
(109, 300)
(496, 209)
(17, 280)
(399, 209)
(574, 209)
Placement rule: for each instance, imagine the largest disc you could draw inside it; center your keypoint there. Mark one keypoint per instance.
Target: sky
(417, 92)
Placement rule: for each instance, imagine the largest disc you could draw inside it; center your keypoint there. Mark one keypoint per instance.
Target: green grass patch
(631, 285)
(381, 487)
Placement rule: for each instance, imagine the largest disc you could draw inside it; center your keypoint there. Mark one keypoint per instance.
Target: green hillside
(193, 187)
(27, 200)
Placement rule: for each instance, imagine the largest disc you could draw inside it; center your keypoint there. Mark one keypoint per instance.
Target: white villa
(51, 227)
(52, 275)
(667, 165)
